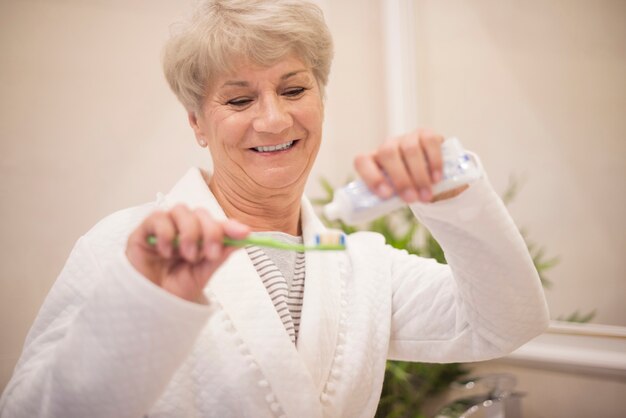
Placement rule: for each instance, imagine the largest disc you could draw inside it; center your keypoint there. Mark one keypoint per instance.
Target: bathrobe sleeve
(485, 303)
(106, 341)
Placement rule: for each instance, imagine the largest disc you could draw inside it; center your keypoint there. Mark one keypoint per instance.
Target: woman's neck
(261, 209)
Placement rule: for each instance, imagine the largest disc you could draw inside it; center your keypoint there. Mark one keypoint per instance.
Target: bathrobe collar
(296, 376)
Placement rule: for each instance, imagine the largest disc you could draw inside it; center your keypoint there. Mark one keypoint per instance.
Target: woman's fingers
(373, 176)
(236, 230)
(189, 232)
(391, 159)
(214, 232)
(192, 235)
(408, 165)
(431, 144)
(180, 249)
(212, 235)
(161, 226)
(421, 153)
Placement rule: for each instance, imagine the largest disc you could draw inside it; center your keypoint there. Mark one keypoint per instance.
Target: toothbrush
(328, 241)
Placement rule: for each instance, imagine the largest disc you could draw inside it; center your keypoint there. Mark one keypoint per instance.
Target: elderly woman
(190, 327)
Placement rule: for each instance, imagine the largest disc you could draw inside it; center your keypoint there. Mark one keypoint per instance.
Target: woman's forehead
(245, 71)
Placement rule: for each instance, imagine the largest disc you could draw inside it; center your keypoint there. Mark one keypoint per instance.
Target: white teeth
(271, 148)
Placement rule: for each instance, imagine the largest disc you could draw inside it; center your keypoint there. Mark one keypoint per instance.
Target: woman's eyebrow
(243, 83)
(236, 83)
(291, 74)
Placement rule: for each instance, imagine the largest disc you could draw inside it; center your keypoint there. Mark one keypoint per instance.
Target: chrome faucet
(497, 398)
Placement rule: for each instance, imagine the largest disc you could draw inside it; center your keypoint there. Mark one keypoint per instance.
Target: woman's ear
(197, 130)
(193, 121)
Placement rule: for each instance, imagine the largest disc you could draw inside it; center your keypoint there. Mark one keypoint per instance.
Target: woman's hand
(182, 268)
(408, 165)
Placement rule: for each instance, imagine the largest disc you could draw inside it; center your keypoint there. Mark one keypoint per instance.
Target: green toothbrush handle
(272, 243)
(261, 242)
(267, 242)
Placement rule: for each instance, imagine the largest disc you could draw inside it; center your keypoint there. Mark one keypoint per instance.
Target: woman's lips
(275, 148)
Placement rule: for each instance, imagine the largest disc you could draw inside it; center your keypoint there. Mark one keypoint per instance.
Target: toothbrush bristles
(331, 238)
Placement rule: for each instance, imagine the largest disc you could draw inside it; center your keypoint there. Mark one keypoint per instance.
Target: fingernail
(437, 176)
(409, 195)
(425, 194)
(239, 226)
(235, 228)
(383, 190)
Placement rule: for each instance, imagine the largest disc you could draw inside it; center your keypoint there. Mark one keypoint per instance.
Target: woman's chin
(280, 178)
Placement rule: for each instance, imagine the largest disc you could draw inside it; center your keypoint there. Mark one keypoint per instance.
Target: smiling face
(263, 126)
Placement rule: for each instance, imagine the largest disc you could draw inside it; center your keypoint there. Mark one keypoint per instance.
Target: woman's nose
(272, 117)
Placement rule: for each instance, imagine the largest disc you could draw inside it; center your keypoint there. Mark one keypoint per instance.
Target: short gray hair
(264, 31)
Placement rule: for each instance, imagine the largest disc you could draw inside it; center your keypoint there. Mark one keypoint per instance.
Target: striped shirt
(282, 273)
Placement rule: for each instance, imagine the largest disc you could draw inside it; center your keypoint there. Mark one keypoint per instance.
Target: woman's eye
(294, 92)
(239, 102)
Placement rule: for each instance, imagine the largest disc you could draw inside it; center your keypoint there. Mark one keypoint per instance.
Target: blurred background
(537, 89)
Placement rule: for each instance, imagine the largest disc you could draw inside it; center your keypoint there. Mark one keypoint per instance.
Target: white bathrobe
(109, 343)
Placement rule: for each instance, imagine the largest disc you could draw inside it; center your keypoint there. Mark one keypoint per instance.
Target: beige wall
(85, 128)
(88, 126)
(538, 89)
